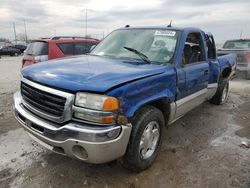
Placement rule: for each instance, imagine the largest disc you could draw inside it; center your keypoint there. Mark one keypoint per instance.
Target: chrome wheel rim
(149, 140)
(225, 93)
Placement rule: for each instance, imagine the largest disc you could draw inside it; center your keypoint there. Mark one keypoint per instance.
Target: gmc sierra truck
(115, 102)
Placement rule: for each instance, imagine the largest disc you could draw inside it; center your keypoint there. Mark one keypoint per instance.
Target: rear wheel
(145, 139)
(221, 94)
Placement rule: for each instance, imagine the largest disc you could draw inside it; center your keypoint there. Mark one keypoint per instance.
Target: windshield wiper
(141, 55)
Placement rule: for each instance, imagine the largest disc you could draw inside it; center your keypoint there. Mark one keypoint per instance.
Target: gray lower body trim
(211, 90)
(188, 103)
(184, 105)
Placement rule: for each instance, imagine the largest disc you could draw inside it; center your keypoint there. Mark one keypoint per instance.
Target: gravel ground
(202, 149)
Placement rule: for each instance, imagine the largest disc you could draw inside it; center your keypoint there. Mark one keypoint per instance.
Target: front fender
(141, 92)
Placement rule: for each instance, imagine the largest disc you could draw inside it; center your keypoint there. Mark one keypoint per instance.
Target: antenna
(170, 24)
(86, 22)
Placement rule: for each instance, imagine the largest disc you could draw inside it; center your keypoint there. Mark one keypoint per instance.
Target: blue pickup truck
(115, 102)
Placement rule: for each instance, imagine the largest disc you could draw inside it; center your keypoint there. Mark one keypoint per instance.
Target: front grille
(42, 101)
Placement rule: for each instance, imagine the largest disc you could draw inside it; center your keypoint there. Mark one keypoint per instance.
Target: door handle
(206, 72)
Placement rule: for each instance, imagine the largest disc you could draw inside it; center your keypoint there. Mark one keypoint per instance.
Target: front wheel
(145, 139)
(221, 94)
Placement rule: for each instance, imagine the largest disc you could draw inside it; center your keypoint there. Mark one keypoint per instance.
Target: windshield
(37, 49)
(157, 45)
(240, 44)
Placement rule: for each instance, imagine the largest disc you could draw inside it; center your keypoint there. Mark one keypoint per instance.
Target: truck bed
(228, 60)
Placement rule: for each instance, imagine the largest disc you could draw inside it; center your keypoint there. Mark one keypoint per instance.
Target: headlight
(96, 102)
(96, 108)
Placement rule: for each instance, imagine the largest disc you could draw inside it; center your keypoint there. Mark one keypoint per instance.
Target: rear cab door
(192, 72)
(214, 68)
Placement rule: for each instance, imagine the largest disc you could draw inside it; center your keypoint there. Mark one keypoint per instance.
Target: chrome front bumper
(77, 140)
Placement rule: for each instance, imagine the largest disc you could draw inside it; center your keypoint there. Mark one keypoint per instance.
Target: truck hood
(89, 73)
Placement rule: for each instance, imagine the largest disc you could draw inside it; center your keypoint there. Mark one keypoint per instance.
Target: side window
(82, 48)
(211, 49)
(37, 48)
(192, 52)
(67, 48)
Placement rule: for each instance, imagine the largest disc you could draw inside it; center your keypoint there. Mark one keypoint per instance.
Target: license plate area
(30, 124)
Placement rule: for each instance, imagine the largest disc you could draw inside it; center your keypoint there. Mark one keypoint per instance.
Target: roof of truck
(164, 27)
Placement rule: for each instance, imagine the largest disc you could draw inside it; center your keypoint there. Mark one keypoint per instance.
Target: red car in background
(46, 49)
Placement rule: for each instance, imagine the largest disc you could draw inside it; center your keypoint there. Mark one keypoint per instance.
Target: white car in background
(241, 47)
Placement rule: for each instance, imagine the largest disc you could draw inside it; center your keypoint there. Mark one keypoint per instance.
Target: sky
(225, 19)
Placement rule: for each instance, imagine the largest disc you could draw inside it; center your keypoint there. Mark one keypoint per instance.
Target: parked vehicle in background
(241, 47)
(8, 50)
(21, 47)
(115, 102)
(56, 47)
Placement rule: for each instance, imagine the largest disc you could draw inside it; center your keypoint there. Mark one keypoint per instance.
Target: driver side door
(193, 75)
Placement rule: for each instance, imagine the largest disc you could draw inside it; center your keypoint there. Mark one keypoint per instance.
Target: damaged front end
(49, 116)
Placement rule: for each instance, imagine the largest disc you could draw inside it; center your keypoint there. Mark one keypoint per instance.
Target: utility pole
(26, 37)
(86, 22)
(14, 27)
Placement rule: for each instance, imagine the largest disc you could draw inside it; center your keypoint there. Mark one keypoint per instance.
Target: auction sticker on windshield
(165, 33)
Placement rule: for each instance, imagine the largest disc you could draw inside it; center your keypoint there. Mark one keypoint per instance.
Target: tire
(138, 156)
(221, 94)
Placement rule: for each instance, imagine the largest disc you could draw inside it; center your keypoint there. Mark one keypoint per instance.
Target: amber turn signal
(107, 120)
(111, 104)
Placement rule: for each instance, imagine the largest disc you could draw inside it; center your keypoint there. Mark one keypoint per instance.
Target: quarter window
(211, 50)
(67, 48)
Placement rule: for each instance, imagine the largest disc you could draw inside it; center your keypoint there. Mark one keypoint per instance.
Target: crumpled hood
(89, 73)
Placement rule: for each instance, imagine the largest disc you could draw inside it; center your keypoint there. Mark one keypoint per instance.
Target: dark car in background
(56, 47)
(21, 47)
(241, 47)
(8, 50)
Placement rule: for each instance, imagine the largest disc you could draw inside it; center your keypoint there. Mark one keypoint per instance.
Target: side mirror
(92, 47)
